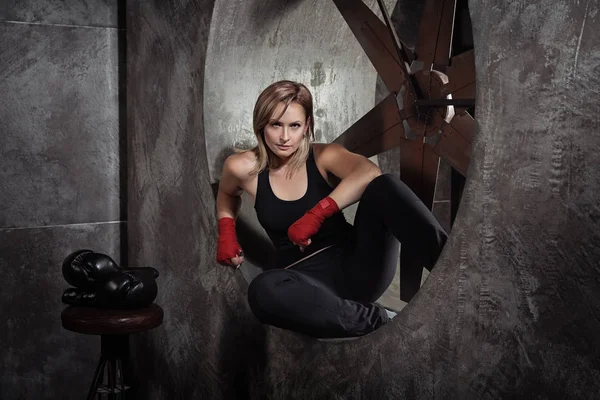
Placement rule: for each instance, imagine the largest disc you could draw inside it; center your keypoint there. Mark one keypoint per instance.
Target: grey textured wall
(61, 183)
(196, 352)
(510, 310)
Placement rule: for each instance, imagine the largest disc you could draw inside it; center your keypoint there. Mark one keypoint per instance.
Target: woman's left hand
(309, 224)
(303, 229)
(302, 247)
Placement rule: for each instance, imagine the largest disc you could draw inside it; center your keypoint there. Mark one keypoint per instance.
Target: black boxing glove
(84, 269)
(129, 290)
(100, 282)
(126, 290)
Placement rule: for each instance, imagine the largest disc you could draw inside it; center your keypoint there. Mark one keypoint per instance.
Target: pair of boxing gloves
(99, 282)
(299, 232)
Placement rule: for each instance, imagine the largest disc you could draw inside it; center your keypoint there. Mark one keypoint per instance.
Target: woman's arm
(355, 173)
(229, 195)
(229, 201)
(354, 170)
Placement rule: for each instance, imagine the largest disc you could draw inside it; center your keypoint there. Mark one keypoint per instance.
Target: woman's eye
(279, 124)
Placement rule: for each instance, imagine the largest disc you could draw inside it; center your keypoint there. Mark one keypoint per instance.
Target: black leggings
(332, 294)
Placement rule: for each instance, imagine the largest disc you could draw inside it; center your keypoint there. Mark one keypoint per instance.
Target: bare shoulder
(236, 176)
(240, 164)
(336, 159)
(328, 152)
(326, 155)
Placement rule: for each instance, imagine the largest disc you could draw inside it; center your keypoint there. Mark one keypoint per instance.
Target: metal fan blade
(375, 40)
(464, 124)
(435, 32)
(388, 140)
(404, 52)
(461, 76)
(377, 131)
(454, 149)
(419, 168)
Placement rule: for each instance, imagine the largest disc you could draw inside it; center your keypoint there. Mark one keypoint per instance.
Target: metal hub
(427, 121)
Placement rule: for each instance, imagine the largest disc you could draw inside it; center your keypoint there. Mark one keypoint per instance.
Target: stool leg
(112, 372)
(115, 348)
(122, 380)
(96, 379)
(127, 374)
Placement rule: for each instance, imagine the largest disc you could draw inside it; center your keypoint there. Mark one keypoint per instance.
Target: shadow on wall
(264, 16)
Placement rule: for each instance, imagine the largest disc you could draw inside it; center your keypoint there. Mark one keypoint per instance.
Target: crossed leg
(332, 293)
(389, 213)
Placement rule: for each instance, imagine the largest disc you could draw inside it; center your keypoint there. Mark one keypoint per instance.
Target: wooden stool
(114, 327)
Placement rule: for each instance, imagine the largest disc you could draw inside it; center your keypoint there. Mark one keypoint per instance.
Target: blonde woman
(327, 273)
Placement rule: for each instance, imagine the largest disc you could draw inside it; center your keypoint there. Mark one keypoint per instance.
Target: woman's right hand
(229, 251)
(236, 261)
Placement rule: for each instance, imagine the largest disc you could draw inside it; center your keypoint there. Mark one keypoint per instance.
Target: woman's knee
(384, 189)
(256, 292)
(383, 182)
(262, 293)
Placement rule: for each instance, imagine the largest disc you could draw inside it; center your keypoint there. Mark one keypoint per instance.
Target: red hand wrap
(310, 223)
(227, 244)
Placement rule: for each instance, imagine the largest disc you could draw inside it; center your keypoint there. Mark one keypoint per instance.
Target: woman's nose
(284, 135)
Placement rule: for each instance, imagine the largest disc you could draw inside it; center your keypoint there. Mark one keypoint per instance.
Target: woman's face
(284, 136)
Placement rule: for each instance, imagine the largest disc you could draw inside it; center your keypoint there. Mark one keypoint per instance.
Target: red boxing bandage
(227, 244)
(310, 223)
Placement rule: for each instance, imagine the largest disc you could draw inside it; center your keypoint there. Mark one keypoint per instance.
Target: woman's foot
(391, 314)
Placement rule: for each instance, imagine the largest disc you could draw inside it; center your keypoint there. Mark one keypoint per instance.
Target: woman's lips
(283, 147)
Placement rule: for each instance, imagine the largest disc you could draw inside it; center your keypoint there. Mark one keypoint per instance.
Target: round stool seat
(100, 321)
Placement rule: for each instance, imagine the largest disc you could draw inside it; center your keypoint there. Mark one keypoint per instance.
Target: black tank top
(276, 215)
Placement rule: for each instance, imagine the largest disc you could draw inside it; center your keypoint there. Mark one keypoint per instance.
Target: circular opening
(433, 100)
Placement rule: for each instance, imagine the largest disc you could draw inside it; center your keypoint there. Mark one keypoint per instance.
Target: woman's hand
(303, 229)
(309, 224)
(303, 247)
(229, 251)
(237, 261)
(235, 176)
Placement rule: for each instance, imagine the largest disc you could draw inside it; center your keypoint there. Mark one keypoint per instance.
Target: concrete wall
(510, 310)
(61, 183)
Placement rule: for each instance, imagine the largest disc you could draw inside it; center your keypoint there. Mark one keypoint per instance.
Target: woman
(328, 273)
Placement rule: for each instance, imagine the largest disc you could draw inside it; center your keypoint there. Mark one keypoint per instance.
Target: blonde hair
(286, 92)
